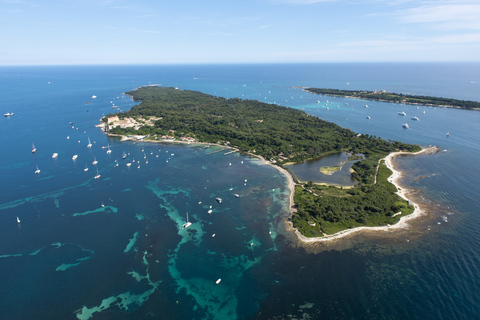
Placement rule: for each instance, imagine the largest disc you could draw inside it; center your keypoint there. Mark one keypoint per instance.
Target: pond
(333, 169)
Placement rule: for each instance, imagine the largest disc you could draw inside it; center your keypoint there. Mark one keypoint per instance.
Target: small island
(382, 95)
(278, 135)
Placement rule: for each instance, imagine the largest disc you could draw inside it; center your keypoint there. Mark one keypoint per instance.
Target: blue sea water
(114, 247)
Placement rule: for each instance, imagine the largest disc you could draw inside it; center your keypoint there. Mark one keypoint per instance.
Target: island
(382, 95)
(278, 135)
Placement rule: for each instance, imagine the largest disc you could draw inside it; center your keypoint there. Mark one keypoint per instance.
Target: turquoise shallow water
(114, 247)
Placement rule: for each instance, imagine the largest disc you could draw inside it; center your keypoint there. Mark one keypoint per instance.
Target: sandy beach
(396, 175)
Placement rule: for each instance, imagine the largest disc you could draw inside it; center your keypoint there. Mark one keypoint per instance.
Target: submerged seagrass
(281, 135)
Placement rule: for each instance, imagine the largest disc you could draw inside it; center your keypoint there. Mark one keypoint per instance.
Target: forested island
(398, 98)
(281, 135)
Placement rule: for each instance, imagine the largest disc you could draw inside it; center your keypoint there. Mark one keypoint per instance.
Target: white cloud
(445, 16)
(301, 2)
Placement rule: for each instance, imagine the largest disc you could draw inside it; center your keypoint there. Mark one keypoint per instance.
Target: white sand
(402, 223)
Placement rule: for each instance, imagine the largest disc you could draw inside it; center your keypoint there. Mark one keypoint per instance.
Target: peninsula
(279, 135)
(382, 95)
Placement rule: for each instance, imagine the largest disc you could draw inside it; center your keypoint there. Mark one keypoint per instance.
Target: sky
(86, 32)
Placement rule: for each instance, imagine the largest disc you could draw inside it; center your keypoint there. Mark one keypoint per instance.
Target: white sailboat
(33, 148)
(188, 223)
(98, 175)
(86, 168)
(124, 155)
(94, 161)
(75, 156)
(89, 145)
(38, 170)
(109, 151)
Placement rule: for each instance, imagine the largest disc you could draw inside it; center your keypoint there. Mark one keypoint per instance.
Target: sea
(109, 242)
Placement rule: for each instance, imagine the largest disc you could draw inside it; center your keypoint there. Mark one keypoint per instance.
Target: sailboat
(33, 148)
(94, 161)
(188, 223)
(86, 168)
(18, 220)
(89, 145)
(448, 133)
(38, 170)
(109, 151)
(124, 155)
(98, 175)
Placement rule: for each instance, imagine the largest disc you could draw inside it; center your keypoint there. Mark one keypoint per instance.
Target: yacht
(124, 155)
(94, 161)
(98, 175)
(219, 200)
(74, 157)
(18, 220)
(109, 151)
(415, 118)
(405, 125)
(402, 113)
(54, 155)
(237, 195)
(38, 170)
(33, 148)
(89, 145)
(8, 114)
(368, 117)
(86, 168)
(187, 224)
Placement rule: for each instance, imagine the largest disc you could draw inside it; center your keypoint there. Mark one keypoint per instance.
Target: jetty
(216, 151)
(226, 153)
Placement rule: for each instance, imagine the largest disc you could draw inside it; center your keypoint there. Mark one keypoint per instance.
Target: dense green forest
(398, 98)
(327, 209)
(281, 134)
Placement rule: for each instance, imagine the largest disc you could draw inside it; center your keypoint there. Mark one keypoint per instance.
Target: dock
(216, 151)
(230, 152)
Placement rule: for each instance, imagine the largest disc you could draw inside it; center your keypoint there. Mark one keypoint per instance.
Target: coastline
(430, 105)
(396, 175)
(401, 224)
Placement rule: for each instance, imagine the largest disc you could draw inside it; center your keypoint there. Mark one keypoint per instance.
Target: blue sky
(46, 32)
